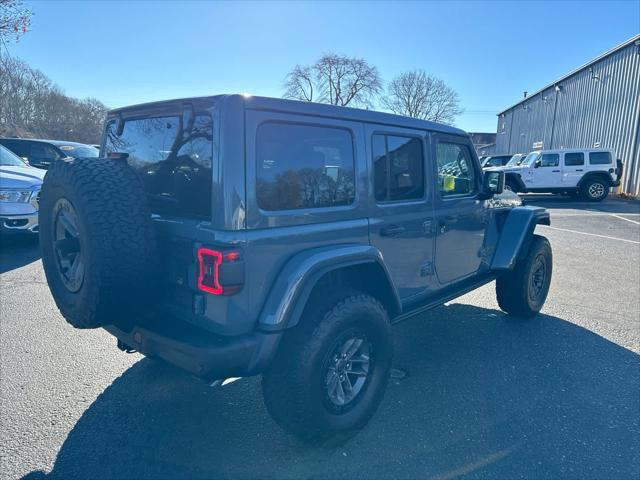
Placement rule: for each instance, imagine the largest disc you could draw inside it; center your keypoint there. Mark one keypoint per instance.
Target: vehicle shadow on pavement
(18, 251)
(485, 396)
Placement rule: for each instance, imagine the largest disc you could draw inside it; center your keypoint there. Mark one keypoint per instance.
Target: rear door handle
(392, 231)
(579, 170)
(555, 171)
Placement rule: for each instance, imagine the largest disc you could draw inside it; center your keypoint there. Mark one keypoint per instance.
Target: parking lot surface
(484, 396)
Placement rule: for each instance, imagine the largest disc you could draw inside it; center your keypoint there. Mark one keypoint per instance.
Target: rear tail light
(220, 272)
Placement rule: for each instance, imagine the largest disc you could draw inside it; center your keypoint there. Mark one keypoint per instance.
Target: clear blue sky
(489, 52)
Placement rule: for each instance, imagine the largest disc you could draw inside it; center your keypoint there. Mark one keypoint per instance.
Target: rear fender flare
(605, 175)
(516, 235)
(293, 286)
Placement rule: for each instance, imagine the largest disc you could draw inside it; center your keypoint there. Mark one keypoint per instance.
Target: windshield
(529, 159)
(516, 160)
(8, 158)
(79, 151)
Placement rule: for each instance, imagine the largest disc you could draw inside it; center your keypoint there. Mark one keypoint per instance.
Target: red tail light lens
(210, 265)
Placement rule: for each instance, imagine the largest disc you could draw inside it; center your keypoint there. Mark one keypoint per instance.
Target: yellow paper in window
(449, 183)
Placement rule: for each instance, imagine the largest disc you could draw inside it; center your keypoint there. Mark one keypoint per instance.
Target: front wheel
(523, 291)
(331, 371)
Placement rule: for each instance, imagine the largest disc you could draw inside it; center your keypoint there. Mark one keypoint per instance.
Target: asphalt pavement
(484, 396)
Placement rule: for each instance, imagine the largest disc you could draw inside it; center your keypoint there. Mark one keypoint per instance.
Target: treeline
(32, 106)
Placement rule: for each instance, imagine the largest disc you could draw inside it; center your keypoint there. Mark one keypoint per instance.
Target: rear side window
(398, 168)
(550, 160)
(574, 159)
(303, 166)
(599, 158)
(44, 151)
(176, 166)
(455, 169)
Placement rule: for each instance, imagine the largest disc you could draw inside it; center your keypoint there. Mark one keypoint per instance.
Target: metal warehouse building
(597, 105)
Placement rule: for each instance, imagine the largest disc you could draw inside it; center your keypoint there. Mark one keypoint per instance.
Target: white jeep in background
(588, 173)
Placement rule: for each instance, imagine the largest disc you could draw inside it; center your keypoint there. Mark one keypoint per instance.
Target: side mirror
(537, 164)
(492, 183)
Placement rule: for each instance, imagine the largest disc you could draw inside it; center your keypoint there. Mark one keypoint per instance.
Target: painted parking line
(594, 214)
(591, 234)
(627, 219)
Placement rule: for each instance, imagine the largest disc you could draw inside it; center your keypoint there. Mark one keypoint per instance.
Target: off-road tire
(515, 290)
(595, 189)
(293, 387)
(115, 237)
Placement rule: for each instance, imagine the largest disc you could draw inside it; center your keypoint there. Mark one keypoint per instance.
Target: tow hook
(125, 348)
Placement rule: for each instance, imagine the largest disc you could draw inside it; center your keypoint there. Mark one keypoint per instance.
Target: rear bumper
(201, 353)
(13, 224)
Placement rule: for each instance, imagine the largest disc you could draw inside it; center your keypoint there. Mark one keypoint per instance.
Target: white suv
(589, 173)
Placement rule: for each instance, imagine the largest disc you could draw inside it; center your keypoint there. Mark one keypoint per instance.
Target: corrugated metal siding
(600, 103)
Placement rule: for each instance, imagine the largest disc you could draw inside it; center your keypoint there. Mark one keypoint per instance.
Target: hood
(517, 168)
(20, 177)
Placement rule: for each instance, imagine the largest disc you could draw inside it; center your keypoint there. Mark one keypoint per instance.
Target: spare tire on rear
(97, 240)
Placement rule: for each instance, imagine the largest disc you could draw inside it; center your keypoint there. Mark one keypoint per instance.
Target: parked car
(236, 236)
(588, 173)
(19, 191)
(496, 160)
(42, 153)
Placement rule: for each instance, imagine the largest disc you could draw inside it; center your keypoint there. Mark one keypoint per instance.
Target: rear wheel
(595, 189)
(523, 291)
(331, 371)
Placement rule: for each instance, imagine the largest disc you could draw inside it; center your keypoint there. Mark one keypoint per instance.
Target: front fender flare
(516, 234)
(517, 179)
(292, 288)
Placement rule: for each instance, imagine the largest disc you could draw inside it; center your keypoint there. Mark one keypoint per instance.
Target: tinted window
(549, 160)
(455, 169)
(43, 153)
(8, 158)
(573, 159)
(176, 166)
(302, 166)
(19, 148)
(599, 158)
(398, 168)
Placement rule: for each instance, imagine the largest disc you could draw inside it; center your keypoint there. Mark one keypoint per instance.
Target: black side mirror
(537, 164)
(492, 183)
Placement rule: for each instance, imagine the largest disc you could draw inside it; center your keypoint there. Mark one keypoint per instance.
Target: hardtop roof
(309, 108)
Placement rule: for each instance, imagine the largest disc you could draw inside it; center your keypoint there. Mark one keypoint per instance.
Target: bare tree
(15, 19)
(419, 95)
(335, 79)
(298, 84)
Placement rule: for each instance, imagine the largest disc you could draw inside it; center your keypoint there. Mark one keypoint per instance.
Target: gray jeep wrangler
(235, 236)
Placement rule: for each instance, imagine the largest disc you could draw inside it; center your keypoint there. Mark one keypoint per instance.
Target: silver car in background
(19, 193)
